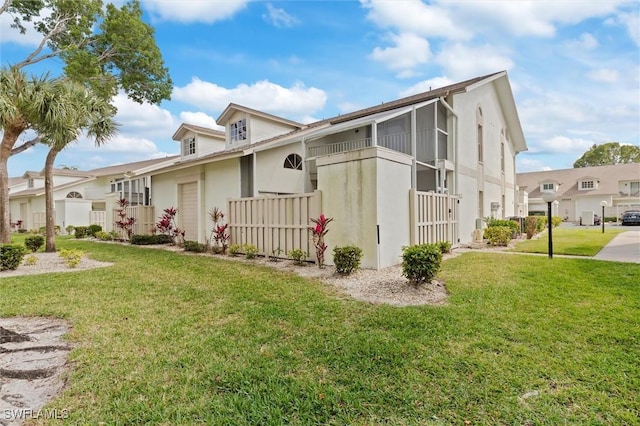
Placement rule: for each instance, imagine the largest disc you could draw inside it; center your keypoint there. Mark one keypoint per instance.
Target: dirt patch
(33, 358)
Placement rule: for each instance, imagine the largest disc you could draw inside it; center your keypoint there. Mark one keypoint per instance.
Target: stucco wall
(362, 189)
(272, 177)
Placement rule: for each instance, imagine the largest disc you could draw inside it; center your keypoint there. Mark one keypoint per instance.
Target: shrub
(275, 255)
(81, 231)
(103, 236)
(556, 221)
(92, 229)
(195, 246)
(124, 223)
(234, 249)
(31, 260)
(250, 251)
(318, 232)
(347, 259)
(34, 242)
(11, 256)
(298, 256)
(511, 224)
(22, 231)
(70, 229)
(530, 226)
(71, 257)
(420, 263)
(43, 230)
(444, 246)
(541, 223)
(167, 226)
(142, 240)
(498, 235)
(163, 239)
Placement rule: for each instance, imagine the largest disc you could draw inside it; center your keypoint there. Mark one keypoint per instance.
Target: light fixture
(603, 204)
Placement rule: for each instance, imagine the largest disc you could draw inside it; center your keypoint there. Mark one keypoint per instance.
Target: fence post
(413, 216)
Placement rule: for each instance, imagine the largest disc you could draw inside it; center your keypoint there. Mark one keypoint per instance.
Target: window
(74, 194)
(293, 161)
(189, 146)
(548, 187)
(30, 183)
(634, 188)
(239, 130)
(587, 184)
(479, 136)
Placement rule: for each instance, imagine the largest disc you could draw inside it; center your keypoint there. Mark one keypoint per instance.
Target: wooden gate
(434, 217)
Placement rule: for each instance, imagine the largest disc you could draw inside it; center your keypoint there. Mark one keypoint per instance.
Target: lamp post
(549, 197)
(603, 204)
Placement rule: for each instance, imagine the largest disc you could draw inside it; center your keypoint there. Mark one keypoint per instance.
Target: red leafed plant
(124, 223)
(219, 235)
(318, 232)
(167, 225)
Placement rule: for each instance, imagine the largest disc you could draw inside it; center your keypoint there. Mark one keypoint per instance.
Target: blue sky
(574, 67)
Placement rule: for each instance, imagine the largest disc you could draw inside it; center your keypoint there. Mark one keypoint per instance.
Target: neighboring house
(80, 197)
(419, 169)
(581, 190)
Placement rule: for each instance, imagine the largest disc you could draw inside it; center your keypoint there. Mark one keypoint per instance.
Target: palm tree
(23, 102)
(72, 110)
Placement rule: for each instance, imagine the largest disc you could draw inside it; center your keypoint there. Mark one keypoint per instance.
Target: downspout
(305, 172)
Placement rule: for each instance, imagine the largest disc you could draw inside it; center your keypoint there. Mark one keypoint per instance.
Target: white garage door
(188, 210)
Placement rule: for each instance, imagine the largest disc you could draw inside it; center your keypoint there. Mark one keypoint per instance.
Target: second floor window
(189, 146)
(293, 161)
(239, 130)
(587, 184)
(548, 187)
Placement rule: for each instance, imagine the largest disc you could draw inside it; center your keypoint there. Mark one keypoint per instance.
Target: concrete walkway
(625, 247)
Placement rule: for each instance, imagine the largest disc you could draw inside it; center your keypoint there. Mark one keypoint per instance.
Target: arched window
(74, 194)
(293, 161)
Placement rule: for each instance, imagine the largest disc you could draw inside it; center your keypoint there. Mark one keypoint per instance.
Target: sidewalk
(624, 247)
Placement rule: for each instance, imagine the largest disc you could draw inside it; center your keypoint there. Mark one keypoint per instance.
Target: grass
(570, 241)
(164, 338)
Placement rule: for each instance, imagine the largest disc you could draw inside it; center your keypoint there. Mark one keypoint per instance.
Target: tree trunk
(50, 246)
(9, 139)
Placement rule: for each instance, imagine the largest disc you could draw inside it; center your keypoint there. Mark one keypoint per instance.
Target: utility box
(587, 218)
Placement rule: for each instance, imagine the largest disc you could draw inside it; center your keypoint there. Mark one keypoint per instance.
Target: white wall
(72, 211)
(361, 190)
(272, 177)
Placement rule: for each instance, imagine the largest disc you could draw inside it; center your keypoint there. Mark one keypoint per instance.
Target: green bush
(34, 242)
(81, 232)
(11, 256)
(22, 231)
(43, 230)
(556, 221)
(103, 236)
(610, 219)
(92, 229)
(421, 263)
(347, 259)
(250, 251)
(31, 260)
(143, 240)
(71, 257)
(511, 224)
(541, 223)
(498, 235)
(444, 246)
(234, 249)
(195, 246)
(70, 229)
(530, 226)
(298, 256)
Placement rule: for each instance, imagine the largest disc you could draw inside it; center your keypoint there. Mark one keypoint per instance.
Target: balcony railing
(335, 148)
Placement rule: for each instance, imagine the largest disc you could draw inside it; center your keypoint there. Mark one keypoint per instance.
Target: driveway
(625, 247)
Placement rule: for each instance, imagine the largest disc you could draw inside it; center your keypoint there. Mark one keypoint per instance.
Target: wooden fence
(144, 223)
(39, 220)
(98, 217)
(434, 217)
(274, 224)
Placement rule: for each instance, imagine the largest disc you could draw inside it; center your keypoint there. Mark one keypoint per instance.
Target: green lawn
(571, 241)
(165, 338)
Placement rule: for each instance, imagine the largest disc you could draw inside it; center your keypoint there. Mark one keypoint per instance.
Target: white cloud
(193, 11)
(524, 165)
(147, 119)
(297, 101)
(199, 119)
(409, 51)
(604, 75)
(414, 16)
(121, 143)
(561, 145)
(586, 41)
(11, 35)
(426, 85)
(279, 18)
(462, 61)
(632, 22)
